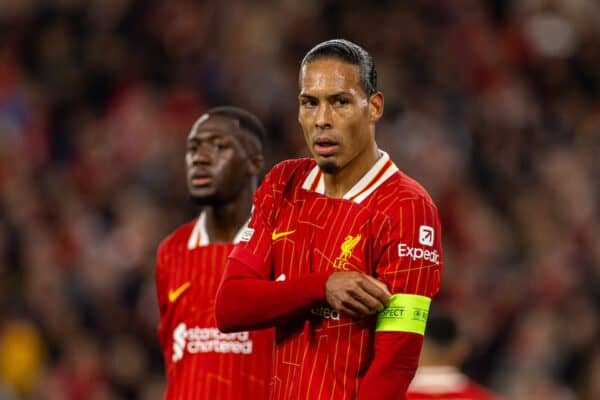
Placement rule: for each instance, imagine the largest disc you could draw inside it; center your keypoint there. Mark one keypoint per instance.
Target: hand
(356, 294)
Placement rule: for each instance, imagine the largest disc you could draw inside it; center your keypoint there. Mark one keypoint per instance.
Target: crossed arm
(248, 301)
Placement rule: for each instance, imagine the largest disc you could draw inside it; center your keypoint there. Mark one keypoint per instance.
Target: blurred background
(492, 105)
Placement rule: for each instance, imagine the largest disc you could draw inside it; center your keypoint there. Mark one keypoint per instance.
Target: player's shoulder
(401, 188)
(293, 170)
(177, 238)
(285, 178)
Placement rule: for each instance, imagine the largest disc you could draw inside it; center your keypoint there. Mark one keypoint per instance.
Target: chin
(204, 200)
(329, 167)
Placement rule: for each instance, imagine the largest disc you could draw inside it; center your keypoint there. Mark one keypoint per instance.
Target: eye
(305, 102)
(221, 145)
(341, 102)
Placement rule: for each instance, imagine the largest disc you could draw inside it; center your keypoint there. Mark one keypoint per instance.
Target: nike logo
(174, 294)
(278, 235)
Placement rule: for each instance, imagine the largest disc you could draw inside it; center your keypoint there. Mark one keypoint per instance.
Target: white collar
(383, 168)
(199, 235)
(438, 379)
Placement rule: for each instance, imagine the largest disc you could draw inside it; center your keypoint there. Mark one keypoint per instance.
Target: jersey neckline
(383, 168)
(199, 236)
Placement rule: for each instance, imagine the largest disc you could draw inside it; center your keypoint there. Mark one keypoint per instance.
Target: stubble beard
(329, 167)
(201, 201)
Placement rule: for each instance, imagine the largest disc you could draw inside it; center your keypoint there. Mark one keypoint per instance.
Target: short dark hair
(351, 53)
(246, 119)
(441, 328)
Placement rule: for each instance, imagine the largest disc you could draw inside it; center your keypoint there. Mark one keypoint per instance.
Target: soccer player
(438, 376)
(223, 159)
(332, 241)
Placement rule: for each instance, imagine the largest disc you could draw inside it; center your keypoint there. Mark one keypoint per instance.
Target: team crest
(347, 247)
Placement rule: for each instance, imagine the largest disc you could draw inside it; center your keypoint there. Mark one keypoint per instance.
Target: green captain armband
(405, 313)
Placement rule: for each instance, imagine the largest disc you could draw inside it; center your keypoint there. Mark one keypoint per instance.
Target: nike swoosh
(174, 294)
(277, 235)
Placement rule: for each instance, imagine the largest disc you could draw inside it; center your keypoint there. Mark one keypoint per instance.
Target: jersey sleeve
(248, 298)
(410, 259)
(410, 265)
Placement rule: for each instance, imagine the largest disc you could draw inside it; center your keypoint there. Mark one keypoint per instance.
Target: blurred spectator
(21, 356)
(438, 375)
(495, 102)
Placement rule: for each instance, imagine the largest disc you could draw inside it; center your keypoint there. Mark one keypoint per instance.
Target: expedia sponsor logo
(325, 312)
(426, 235)
(417, 253)
(208, 340)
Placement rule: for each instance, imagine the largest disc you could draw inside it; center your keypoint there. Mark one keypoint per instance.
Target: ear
(375, 106)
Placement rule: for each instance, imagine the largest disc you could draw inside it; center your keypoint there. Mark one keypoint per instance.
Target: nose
(323, 119)
(202, 154)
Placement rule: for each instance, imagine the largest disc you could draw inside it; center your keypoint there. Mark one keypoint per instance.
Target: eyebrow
(336, 94)
(210, 135)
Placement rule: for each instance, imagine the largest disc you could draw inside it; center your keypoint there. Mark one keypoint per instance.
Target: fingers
(377, 290)
(367, 295)
(355, 308)
(356, 294)
(382, 285)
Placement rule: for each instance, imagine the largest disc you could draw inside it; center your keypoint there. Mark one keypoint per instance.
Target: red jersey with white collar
(201, 362)
(446, 383)
(386, 226)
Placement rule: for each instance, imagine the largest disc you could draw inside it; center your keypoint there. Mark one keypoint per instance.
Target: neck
(224, 221)
(340, 182)
(432, 355)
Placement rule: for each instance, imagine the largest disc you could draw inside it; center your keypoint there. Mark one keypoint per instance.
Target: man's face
(216, 159)
(335, 113)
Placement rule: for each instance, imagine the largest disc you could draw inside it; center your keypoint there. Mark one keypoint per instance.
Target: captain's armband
(405, 313)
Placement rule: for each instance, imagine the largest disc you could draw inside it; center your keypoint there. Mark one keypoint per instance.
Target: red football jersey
(446, 383)
(201, 362)
(386, 226)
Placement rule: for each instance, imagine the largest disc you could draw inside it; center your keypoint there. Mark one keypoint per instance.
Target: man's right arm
(247, 300)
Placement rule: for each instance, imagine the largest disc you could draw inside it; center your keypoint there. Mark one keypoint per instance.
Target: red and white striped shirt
(201, 362)
(386, 226)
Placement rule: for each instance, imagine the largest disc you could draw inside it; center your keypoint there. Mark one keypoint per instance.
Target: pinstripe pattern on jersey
(325, 358)
(203, 375)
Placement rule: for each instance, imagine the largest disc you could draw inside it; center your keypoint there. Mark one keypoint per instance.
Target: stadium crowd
(493, 105)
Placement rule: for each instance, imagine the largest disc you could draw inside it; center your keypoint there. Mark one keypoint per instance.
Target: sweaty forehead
(215, 125)
(328, 75)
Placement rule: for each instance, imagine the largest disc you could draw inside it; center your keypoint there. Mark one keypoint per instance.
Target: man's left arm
(410, 264)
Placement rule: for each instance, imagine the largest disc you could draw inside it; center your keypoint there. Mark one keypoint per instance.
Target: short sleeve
(410, 256)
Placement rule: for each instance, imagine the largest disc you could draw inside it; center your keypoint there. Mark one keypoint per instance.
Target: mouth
(201, 180)
(325, 147)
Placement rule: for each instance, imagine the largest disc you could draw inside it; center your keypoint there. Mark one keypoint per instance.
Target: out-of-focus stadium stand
(493, 105)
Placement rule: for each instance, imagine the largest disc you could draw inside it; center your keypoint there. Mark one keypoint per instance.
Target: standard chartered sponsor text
(205, 340)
